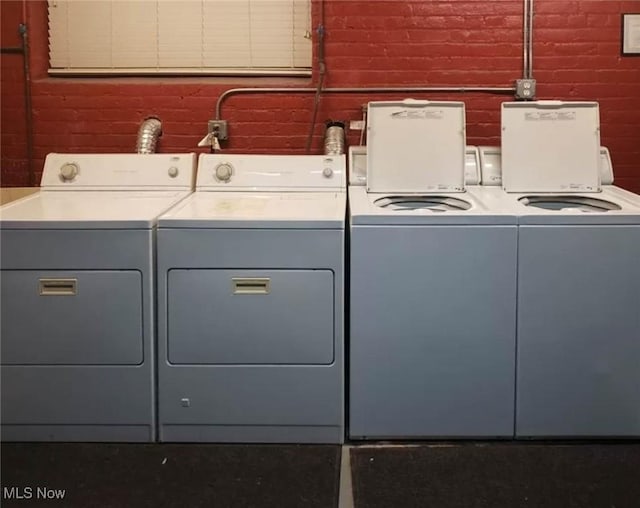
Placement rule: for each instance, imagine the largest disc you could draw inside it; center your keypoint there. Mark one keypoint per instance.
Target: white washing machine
(78, 297)
(578, 369)
(250, 302)
(432, 284)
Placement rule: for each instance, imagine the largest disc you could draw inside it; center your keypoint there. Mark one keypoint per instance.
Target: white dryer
(78, 297)
(578, 276)
(250, 302)
(432, 284)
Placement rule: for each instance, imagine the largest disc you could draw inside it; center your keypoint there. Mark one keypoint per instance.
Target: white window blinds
(180, 37)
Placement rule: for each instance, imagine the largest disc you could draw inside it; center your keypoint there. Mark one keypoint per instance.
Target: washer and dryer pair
(492, 312)
(247, 272)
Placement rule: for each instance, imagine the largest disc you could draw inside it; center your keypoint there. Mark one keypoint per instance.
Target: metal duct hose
(334, 138)
(148, 134)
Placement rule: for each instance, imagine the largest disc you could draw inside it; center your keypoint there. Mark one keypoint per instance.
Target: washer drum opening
(577, 203)
(437, 204)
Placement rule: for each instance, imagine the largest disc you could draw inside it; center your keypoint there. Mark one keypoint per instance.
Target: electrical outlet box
(220, 127)
(525, 89)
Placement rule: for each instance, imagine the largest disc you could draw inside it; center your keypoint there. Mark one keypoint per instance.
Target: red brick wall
(12, 118)
(368, 43)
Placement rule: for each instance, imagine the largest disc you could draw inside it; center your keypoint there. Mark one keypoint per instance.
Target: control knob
(327, 172)
(69, 171)
(173, 171)
(224, 171)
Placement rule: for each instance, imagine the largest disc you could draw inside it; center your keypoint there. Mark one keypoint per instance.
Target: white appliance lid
(203, 209)
(550, 146)
(89, 209)
(415, 146)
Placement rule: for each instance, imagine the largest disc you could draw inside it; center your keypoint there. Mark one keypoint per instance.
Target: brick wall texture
(577, 56)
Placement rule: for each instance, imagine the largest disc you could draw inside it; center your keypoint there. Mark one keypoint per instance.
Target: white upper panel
(550, 146)
(606, 167)
(415, 146)
(229, 172)
(491, 166)
(358, 165)
(118, 171)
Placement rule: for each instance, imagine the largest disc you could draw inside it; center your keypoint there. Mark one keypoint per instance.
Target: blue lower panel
(432, 344)
(578, 332)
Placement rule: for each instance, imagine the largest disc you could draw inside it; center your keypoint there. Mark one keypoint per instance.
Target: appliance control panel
(264, 172)
(118, 171)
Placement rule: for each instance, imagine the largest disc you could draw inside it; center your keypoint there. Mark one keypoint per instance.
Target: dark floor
(508, 475)
(181, 476)
(438, 475)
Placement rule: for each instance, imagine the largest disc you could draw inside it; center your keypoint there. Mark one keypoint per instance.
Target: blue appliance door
(52, 317)
(250, 317)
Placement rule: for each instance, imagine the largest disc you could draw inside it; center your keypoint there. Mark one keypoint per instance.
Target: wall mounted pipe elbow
(148, 133)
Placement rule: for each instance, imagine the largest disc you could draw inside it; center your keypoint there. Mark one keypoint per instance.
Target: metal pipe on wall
(527, 73)
(530, 40)
(527, 32)
(23, 50)
(525, 39)
(27, 102)
(375, 90)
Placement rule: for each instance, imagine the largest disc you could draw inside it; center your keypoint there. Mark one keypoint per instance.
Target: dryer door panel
(71, 318)
(250, 317)
(578, 331)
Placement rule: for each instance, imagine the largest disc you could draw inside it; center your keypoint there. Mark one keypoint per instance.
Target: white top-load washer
(77, 297)
(250, 302)
(432, 284)
(578, 275)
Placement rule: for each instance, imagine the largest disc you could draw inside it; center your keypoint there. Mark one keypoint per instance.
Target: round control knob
(224, 171)
(327, 172)
(173, 171)
(69, 171)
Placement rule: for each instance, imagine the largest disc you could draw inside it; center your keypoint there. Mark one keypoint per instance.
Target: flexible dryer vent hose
(148, 134)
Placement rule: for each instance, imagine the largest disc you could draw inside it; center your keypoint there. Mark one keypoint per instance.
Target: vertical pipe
(525, 39)
(27, 101)
(322, 69)
(530, 42)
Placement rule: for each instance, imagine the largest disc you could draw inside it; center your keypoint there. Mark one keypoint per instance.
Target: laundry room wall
(368, 43)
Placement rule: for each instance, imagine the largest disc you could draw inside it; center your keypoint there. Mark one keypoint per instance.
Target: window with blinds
(206, 37)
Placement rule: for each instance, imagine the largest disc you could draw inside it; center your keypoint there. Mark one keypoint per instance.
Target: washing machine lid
(550, 146)
(415, 146)
(254, 210)
(53, 209)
